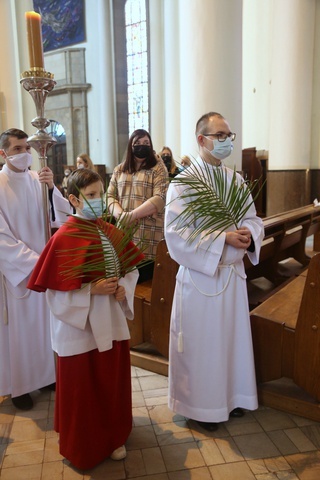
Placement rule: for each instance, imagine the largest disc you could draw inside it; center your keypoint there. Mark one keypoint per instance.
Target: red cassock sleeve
(68, 248)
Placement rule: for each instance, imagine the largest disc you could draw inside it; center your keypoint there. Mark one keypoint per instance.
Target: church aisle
(263, 445)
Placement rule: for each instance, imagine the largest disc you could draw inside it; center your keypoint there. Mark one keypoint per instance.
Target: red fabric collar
(59, 254)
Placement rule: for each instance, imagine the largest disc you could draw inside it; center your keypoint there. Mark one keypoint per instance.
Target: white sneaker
(119, 453)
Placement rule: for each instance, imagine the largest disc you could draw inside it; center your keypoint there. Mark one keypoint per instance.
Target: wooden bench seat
(152, 304)
(286, 340)
(285, 236)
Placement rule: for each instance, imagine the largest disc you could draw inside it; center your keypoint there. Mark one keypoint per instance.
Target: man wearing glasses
(211, 370)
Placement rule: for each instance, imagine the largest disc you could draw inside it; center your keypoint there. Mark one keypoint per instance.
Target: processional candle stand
(39, 84)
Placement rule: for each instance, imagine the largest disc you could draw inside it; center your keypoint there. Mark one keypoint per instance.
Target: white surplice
(81, 322)
(211, 364)
(26, 356)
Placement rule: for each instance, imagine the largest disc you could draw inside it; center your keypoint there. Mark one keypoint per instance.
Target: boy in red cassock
(89, 332)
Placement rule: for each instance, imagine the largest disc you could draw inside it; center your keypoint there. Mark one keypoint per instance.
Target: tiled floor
(263, 445)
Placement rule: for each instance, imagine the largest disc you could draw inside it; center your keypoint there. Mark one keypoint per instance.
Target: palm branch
(111, 252)
(213, 202)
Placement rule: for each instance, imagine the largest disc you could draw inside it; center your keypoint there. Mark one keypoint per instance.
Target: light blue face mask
(221, 150)
(93, 208)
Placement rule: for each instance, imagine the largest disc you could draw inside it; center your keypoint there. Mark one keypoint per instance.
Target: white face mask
(221, 150)
(21, 161)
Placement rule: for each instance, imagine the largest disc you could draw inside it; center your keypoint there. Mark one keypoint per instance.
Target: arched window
(137, 64)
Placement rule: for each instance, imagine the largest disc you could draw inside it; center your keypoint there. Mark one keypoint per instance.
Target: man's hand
(105, 286)
(239, 238)
(46, 176)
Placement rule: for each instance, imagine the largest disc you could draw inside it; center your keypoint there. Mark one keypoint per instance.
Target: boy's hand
(106, 286)
(120, 293)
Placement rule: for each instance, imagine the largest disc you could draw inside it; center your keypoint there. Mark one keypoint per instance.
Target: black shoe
(209, 426)
(51, 387)
(23, 402)
(237, 413)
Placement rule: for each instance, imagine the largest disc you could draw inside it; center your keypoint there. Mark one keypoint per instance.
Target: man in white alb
(26, 357)
(211, 364)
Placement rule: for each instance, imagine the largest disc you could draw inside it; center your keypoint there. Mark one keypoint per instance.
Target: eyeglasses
(221, 137)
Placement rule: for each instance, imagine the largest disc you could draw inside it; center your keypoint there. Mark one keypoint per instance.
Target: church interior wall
(315, 114)
(258, 63)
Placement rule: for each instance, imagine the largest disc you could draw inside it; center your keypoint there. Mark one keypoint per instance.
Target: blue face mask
(93, 208)
(221, 150)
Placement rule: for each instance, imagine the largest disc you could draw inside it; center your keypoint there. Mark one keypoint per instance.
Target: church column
(102, 120)
(210, 37)
(291, 87)
(315, 116)
(171, 77)
(17, 107)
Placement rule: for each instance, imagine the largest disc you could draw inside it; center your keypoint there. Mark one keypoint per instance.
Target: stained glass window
(137, 64)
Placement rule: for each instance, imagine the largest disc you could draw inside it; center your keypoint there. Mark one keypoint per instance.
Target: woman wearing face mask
(137, 192)
(168, 160)
(84, 161)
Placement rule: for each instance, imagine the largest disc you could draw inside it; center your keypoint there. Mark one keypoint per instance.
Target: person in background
(84, 161)
(26, 356)
(211, 368)
(89, 330)
(65, 182)
(137, 192)
(168, 160)
(185, 162)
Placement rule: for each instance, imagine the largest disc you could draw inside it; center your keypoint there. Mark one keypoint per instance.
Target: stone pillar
(171, 78)
(291, 87)
(107, 113)
(16, 105)
(315, 117)
(210, 38)
(157, 66)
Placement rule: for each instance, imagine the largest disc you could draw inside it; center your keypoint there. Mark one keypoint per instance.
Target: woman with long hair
(84, 161)
(137, 193)
(168, 160)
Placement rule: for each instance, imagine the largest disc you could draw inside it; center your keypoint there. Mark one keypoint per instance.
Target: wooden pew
(150, 328)
(285, 236)
(286, 341)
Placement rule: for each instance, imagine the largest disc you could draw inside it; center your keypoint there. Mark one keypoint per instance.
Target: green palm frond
(213, 201)
(111, 253)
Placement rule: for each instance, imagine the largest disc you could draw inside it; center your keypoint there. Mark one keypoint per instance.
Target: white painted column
(100, 73)
(257, 50)
(210, 34)
(315, 113)
(17, 107)
(171, 84)
(157, 73)
(291, 87)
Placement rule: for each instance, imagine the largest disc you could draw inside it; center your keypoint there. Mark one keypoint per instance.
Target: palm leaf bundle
(214, 200)
(107, 248)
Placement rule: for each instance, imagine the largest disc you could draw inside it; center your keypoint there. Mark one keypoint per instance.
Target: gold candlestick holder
(39, 84)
